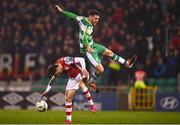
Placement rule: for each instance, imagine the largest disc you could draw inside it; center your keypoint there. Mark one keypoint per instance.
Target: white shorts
(73, 82)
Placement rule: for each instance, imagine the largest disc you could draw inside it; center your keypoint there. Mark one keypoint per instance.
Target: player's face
(94, 19)
(58, 70)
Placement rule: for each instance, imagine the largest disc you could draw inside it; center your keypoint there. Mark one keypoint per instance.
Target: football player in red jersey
(75, 68)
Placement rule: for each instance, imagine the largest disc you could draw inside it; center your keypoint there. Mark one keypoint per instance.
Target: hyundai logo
(169, 103)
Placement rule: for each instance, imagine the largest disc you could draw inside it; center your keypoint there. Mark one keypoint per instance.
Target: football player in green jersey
(89, 48)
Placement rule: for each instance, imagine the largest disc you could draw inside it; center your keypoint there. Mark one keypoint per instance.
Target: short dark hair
(93, 12)
(52, 69)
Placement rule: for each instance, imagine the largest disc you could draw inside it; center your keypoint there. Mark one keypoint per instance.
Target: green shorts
(96, 57)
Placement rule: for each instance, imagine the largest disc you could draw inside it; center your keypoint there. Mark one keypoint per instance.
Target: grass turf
(86, 117)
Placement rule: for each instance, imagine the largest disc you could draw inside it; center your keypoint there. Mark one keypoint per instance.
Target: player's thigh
(73, 82)
(99, 68)
(99, 48)
(93, 58)
(71, 87)
(81, 84)
(108, 53)
(69, 94)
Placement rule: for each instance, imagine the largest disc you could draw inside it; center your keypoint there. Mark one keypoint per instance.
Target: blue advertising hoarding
(27, 100)
(168, 102)
(103, 101)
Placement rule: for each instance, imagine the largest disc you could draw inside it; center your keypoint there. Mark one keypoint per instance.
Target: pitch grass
(86, 117)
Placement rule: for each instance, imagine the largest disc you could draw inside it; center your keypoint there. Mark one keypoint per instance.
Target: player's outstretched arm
(49, 86)
(66, 13)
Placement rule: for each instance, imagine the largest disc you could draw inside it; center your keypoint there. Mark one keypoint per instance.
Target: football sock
(118, 59)
(68, 110)
(94, 76)
(87, 94)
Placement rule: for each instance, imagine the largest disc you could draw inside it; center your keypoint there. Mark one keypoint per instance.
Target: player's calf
(95, 75)
(68, 110)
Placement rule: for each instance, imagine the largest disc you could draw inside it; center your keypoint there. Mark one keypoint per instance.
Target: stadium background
(33, 35)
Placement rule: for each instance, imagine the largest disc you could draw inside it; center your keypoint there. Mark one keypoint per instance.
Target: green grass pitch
(86, 117)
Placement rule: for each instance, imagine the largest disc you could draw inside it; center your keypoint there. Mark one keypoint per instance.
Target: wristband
(48, 88)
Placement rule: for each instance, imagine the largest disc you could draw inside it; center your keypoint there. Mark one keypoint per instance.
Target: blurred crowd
(126, 27)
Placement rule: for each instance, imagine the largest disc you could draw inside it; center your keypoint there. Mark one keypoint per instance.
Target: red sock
(88, 96)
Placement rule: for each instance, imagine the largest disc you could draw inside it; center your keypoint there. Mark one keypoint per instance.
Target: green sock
(118, 59)
(94, 76)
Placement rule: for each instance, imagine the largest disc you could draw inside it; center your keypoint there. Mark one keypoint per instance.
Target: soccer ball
(41, 106)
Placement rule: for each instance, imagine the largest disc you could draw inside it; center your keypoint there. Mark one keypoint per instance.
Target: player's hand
(85, 73)
(90, 50)
(44, 94)
(58, 8)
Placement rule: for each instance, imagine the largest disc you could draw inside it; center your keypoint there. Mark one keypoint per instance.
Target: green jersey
(86, 39)
(85, 30)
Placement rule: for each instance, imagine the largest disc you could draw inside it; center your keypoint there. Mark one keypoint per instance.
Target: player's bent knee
(68, 97)
(100, 69)
(81, 84)
(108, 53)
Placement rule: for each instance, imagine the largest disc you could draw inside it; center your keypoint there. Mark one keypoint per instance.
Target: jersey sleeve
(81, 61)
(70, 14)
(69, 60)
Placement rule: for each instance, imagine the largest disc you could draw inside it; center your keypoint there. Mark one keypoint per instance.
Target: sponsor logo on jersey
(66, 67)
